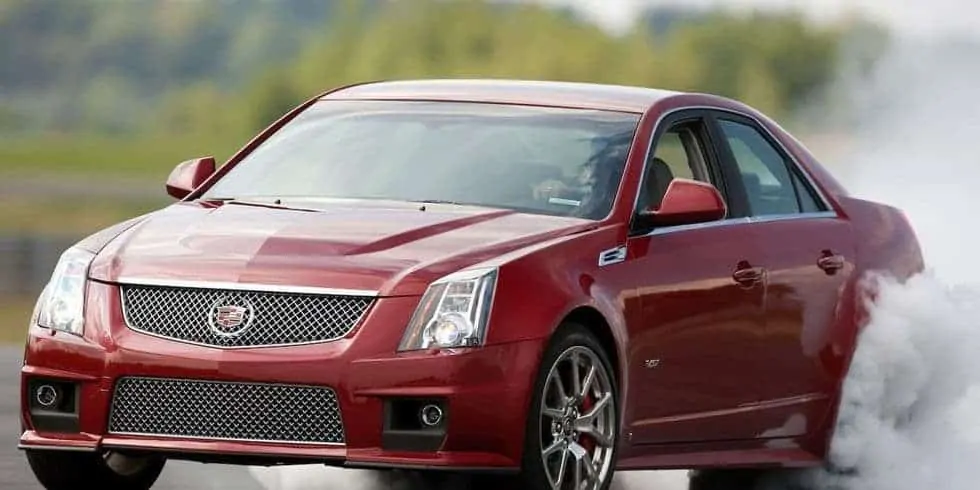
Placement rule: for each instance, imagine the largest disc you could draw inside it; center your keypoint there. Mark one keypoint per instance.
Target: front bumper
(485, 391)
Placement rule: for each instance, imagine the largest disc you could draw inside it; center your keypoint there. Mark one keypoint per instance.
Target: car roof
(524, 92)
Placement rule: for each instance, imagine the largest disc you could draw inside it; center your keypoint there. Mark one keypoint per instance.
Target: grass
(149, 157)
(15, 314)
(69, 216)
(101, 166)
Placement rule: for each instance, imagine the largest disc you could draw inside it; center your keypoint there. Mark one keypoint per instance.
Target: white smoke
(908, 417)
(316, 478)
(912, 397)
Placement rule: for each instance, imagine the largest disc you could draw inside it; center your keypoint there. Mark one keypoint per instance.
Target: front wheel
(573, 424)
(63, 470)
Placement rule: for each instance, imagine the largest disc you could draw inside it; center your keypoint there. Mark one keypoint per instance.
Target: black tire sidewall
(64, 470)
(567, 336)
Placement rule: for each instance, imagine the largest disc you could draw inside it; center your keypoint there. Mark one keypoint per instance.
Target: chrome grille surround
(274, 318)
(215, 410)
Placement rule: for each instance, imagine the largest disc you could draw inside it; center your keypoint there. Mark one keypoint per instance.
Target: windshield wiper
(438, 201)
(260, 201)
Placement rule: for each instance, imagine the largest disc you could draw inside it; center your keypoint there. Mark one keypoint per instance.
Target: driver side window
(678, 153)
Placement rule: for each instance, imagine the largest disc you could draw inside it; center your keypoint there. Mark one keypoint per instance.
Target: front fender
(538, 291)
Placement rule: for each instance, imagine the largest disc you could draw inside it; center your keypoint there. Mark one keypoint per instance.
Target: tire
(815, 478)
(447, 480)
(65, 470)
(549, 424)
(726, 479)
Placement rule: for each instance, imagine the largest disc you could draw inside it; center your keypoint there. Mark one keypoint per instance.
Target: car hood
(391, 248)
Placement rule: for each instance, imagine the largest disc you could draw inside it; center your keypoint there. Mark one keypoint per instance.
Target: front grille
(224, 410)
(266, 318)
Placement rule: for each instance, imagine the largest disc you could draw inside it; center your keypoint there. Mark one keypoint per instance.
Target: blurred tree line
(103, 64)
(227, 68)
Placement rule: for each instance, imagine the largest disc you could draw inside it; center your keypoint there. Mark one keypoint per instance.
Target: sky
(913, 17)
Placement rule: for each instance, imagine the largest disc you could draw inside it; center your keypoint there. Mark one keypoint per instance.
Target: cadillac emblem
(230, 319)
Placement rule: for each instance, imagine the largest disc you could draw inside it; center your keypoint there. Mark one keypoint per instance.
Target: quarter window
(808, 202)
(770, 186)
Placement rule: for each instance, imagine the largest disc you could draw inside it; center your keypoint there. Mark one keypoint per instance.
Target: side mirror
(189, 175)
(686, 202)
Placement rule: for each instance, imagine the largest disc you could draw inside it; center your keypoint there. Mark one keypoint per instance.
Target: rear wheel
(63, 470)
(573, 424)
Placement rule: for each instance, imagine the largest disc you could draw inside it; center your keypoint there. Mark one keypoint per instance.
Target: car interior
(677, 154)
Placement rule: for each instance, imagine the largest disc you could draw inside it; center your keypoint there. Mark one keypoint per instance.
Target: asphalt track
(16, 475)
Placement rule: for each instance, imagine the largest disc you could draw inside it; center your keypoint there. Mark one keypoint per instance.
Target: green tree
(772, 60)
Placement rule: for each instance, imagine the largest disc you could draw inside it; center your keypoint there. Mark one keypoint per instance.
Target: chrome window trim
(243, 286)
(737, 221)
(806, 175)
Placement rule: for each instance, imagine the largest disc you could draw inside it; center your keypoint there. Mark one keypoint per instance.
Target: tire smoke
(910, 400)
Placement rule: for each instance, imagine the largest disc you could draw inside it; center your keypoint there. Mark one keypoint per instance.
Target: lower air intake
(224, 410)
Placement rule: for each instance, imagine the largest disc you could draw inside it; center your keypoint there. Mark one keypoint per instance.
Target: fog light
(430, 415)
(47, 396)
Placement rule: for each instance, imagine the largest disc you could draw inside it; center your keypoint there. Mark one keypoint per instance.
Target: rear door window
(772, 186)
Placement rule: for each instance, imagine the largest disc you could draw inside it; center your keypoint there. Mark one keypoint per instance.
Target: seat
(658, 179)
(753, 192)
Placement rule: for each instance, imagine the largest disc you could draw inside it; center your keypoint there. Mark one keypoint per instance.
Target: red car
(555, 280)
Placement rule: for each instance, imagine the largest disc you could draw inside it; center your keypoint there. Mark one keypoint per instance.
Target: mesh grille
(264, 318)
(221, 410)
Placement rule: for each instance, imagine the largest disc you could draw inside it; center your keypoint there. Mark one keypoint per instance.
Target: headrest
(657, 181)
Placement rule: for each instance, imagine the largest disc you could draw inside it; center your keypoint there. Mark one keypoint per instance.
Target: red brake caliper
(584, 439)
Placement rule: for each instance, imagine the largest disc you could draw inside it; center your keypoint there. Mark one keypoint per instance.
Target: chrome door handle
(746, 275)
(831, 262)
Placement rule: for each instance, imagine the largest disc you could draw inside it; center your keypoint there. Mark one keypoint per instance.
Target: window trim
(665, 120)
(740, 221)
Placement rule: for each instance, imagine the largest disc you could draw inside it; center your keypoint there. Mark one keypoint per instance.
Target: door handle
(746, 275)
(830, 262)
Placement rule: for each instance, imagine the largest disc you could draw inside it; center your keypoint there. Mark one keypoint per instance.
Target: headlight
(62, 304)
(454, 312)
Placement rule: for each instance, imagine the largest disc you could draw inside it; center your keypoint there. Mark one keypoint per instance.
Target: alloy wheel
(578, 421)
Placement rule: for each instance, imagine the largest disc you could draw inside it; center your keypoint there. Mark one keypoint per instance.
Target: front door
(695, 360)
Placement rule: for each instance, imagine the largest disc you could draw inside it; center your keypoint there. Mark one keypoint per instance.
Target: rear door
(807, 253)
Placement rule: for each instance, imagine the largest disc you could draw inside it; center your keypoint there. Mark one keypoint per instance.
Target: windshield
(565, 162)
